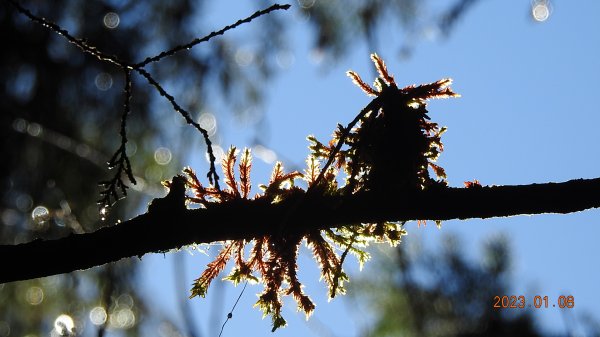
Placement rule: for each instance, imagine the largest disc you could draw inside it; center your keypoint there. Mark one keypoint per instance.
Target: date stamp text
(535, 302)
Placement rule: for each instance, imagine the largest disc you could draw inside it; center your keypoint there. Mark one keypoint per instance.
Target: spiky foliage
(388, 148)
(394, 143)
(272, 257)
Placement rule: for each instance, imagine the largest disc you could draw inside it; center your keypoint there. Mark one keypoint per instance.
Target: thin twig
(123, 130)
(230, 314)
(196, 41)
(340, 270)
(120, 158)
(373, 106)
(212, 175)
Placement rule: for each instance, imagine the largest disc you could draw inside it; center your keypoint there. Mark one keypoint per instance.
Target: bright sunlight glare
(103, 213)
(40, 214)
(64, 325)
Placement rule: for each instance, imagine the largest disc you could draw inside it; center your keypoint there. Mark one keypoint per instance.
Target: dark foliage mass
(62, 121)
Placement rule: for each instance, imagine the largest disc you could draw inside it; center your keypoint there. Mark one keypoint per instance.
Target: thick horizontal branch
(161, 231)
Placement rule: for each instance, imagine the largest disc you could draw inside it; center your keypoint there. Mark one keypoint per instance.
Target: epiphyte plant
(388, 148)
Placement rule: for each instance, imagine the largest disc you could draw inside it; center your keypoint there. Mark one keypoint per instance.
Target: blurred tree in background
(419, 292)
(60, 119)
(454, 301)
(60, 115)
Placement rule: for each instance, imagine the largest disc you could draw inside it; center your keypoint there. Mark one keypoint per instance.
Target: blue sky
(527, 114)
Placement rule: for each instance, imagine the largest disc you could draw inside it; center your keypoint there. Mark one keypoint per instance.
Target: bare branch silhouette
(120, 160)
(110, 194)
(209, 36)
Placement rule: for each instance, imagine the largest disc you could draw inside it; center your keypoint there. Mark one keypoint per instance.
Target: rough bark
(161, 231)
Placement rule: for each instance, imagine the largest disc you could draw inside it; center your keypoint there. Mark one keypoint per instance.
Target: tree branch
(162, 231)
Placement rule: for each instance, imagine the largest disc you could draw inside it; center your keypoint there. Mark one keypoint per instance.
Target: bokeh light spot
(540, 10)
(98, 316)
(218, 152)
(306, 3)
(34, 295)
(34, 129)
(20, 125)
(162, 156)
(122, 319)
(140, 186)
(249, 116)
(125, 300)
(208, 122)
(111, 20)
(317, 56)
(265, 154)
(10, 217)
(244, 57)
(64, 325)
(103, 81)
(285, 59)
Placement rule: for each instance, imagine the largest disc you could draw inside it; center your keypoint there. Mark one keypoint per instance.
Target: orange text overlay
(535, 302)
